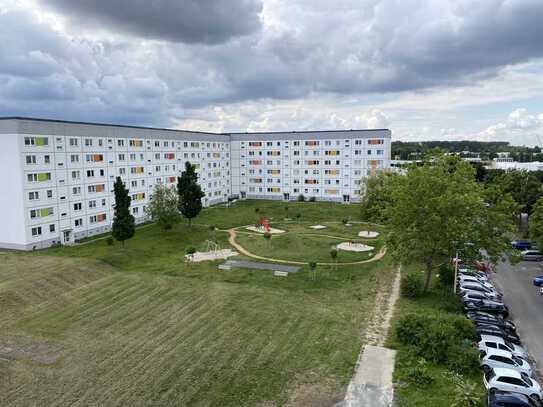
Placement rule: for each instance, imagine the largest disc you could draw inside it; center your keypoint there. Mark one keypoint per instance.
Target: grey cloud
(187, 21)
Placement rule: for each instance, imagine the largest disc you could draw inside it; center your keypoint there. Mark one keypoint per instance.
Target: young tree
(438, 208)
(190, 193)
(312, 270)
(162, 207)
(123, 227)
(268, 238)
(333, 255)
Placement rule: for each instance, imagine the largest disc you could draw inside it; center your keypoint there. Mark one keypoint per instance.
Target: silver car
(513, 381)
(532, 255)
(497, 358)
(491, 342)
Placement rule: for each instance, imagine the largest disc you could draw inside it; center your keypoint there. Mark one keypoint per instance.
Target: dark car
(521, 244)
(496, 331)
(493, 320)
(499, 398)
(487, 306)
(464, 286)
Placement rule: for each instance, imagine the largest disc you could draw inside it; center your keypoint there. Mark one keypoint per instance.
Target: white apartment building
(58, 175)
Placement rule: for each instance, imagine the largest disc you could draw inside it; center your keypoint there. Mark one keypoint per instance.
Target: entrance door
(286, 197)
(346, 198)
(67, 237)
(243, 195)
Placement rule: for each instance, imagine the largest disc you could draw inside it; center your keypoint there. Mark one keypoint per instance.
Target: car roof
(509, 396)
(492, 338)
(504, 371)
(499, 352)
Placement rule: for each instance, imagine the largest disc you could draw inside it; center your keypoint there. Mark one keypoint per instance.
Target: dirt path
(371, 384)
(242, 250)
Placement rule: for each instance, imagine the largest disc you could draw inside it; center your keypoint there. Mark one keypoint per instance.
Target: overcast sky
(426, 69)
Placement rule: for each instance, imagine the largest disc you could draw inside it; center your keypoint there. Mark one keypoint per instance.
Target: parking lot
(525, 304)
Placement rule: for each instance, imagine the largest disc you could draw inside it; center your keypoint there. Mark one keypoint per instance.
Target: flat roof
(238, 134)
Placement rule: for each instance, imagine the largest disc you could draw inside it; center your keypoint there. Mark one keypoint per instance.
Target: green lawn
(99, 325)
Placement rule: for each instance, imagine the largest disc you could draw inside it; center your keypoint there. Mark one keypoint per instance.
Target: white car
(470, 279)
(476, 274)
(513, 381)
(496, 358)
(491, 342)
(478, 295)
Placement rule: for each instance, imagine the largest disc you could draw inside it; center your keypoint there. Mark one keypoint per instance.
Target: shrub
(191, 250)
(462, 357)
(301, 198)
(411, 285)
(312, 199)
(452, 303)
(466, 394)
(344, 221)
(109, 241)
(446, 276)
(419, 374)
(409, 328)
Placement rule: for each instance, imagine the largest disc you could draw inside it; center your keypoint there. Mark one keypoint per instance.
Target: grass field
(98, 325)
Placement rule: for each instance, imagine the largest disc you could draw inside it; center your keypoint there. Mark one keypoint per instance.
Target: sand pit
(318, 227)
(368, 234)
(272, 231)
(354, 247)
(210, 256)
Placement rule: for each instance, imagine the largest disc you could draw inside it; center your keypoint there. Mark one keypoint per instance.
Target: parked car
(475, 280)
(468, 295)
(500, 398)
(478, 288)
(496, 331)
(503, 379)
(477, 274)
(475, 286)
(493, 320)
(496, 358)
(521, 244)
(489, 342)
(538, 281)
(532, 255)
(487, 306)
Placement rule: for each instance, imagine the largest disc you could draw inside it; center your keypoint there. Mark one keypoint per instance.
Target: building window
(74, 158)
(77, 206)
(31, 159)
(76, 190)
(78, 223)
(36, 231)
(49, 193)
(52, 228)
(34, 195)
(47, 159)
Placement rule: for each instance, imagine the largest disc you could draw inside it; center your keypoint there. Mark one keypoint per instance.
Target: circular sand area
(272, 231)
(354, 247)
(368, 234)
(318, 227)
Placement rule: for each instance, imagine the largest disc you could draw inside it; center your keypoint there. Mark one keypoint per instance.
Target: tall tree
(375, 197)
(524, 187)
(536, 223)
(162, 207)
(190, 193)
(438, 208)
(123, 227)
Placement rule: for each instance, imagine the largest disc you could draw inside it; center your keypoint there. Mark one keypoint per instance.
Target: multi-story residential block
(58, 175)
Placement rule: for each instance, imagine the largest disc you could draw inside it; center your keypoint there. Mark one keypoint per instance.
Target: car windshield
(518, 360)
(526, 379)
(509, 344)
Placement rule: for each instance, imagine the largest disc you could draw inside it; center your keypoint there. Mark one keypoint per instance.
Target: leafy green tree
(312, 270)
(333, 255)
(162, 207)
(437, 208)
(123, 227)
(190, 193)
(523, 186)
(375, 197)
(536, 223)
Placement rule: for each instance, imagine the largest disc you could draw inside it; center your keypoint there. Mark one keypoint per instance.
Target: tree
(536, 223)
(312, 270)
(268, 238)
(523, 186)
(376, 197)
(438, 207)
(333, 255)
(190, 193)
(123, 227)
(162, 207)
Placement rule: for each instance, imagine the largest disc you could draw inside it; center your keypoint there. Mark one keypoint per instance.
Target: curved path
(244, 251)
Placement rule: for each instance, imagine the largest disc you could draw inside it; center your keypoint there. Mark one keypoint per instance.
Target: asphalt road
(525, 304)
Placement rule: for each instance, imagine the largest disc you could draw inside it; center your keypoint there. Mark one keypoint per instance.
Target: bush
(191, 250)
(466, 394)
(452, 303)
(109, 241)
(301, 198)
(411, 285)
(462, 357)
(312, 199)
(446, 276)
(418, 374)
(410, 327)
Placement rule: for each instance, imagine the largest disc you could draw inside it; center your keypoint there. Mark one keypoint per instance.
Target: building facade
(59, 176)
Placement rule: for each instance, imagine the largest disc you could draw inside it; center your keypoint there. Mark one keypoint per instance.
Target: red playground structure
(263, 223)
